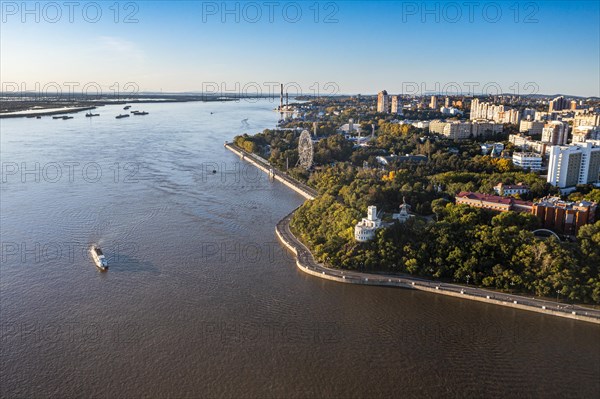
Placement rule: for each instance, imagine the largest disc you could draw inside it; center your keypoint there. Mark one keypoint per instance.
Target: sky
(405, 47)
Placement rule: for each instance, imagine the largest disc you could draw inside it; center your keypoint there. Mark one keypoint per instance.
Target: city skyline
(325, 48)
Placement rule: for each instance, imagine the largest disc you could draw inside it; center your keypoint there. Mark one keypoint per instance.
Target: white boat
(99, 258)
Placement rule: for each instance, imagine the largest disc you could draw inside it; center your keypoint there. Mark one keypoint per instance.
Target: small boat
(140, 113)
(127, 107)
(89, 115)
(38, 117)
(99, 258)
(57, 117)
(66, 117)
(122, 116)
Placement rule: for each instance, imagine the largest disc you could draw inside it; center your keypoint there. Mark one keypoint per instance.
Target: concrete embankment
(307, 263)
(275, 174)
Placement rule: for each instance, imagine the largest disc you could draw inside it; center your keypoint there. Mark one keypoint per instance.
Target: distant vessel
(38, 117)
(89, 115)
(67, 117)
(57, 117)
(140, 113)
(99, 258)
(122, 116)
(127, 107)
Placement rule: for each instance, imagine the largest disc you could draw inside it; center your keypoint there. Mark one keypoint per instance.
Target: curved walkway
(307, 263)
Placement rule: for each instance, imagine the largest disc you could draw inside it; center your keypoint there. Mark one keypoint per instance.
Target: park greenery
(444, 241)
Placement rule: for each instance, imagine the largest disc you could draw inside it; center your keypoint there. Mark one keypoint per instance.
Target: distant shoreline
(19, 108)
(44, 112)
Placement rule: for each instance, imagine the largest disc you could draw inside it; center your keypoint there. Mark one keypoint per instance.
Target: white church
(365, 229)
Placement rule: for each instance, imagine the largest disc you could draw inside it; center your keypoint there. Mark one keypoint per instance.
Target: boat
(89, 115)
(38, 117)
(57, 117)
(67, 117)
(140, 113)
(127, 107)
(99, 258)
(122, 116)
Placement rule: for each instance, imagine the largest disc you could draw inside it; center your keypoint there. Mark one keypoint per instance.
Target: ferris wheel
(305, 150)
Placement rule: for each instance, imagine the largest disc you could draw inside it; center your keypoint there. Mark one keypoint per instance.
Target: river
(202, 301)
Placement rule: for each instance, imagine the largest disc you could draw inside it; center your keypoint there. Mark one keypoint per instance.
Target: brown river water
(202, 301)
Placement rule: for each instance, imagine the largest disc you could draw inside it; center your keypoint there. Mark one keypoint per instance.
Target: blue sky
(362, 47)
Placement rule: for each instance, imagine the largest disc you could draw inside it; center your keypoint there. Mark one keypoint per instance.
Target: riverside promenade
(302, 189)
(308, 264)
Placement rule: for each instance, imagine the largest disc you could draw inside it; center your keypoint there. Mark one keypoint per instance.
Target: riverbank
(302, 189)
(307, 263)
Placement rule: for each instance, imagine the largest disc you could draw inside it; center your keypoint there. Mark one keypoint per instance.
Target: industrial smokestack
(281, 98)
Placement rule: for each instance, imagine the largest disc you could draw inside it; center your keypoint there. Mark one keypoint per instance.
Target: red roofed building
(564, 216)
(493, 202)
(560, 216)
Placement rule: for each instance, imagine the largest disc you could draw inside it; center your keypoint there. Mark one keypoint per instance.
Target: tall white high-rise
(573, 165)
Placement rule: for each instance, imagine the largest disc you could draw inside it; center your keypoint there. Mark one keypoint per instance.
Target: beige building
(526, 143)
(558, 104)
(433, 102)
(437, 126)
(531, 127)
(396, 105)
(482, 128)
(587, 120)
(555, 133)
(457, 130)
(496, 113)
(383, 102)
